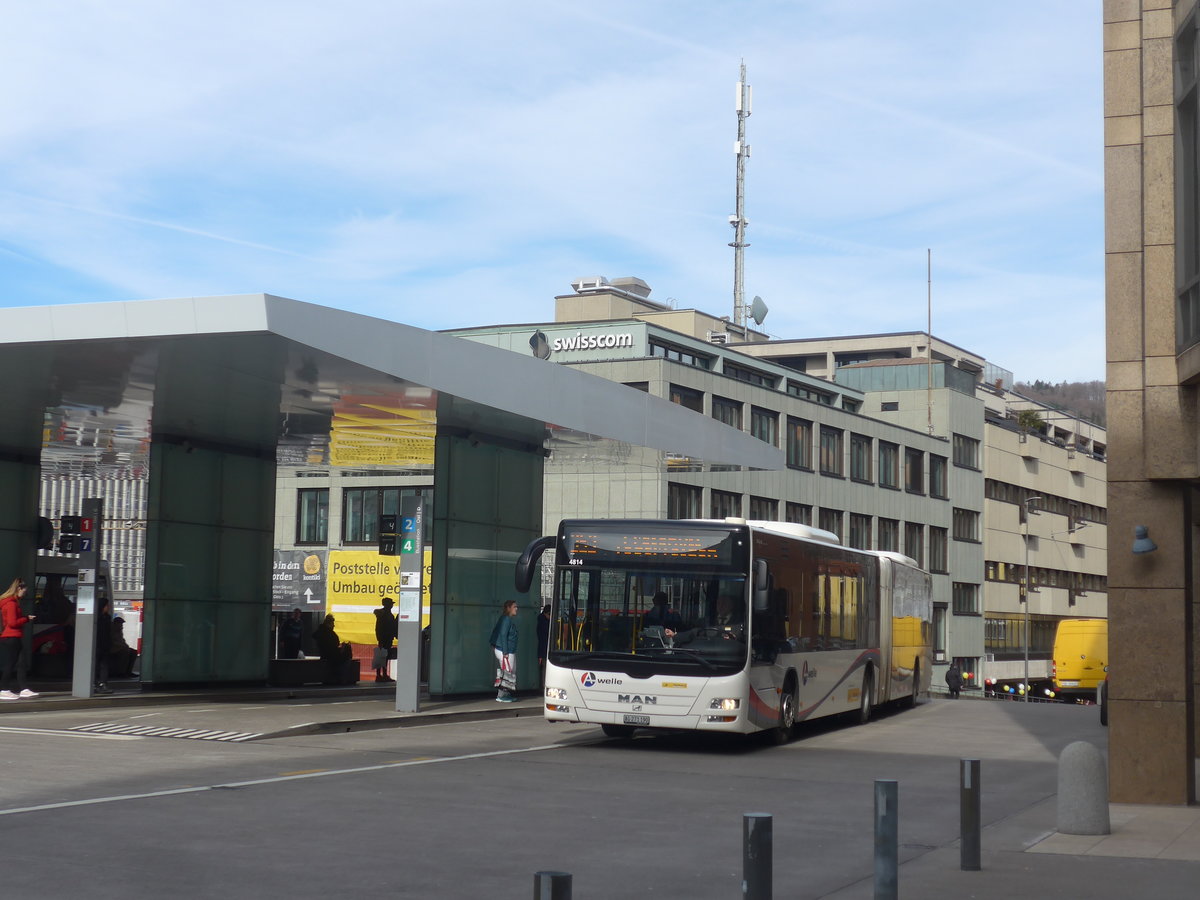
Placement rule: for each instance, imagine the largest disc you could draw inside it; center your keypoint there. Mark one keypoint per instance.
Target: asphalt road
(473, 810)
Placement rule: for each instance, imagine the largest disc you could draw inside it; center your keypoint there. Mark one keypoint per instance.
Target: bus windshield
(622, 615)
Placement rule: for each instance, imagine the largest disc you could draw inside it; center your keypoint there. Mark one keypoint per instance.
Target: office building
(1152, 252)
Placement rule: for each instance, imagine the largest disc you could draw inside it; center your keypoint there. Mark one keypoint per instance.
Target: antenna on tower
(738, 219)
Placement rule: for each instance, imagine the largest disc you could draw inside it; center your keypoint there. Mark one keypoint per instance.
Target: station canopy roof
(314, 386)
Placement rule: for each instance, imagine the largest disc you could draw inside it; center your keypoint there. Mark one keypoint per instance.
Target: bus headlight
(725, 703)
(553, 693)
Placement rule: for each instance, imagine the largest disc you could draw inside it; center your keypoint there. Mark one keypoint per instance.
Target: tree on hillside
(1084, 399)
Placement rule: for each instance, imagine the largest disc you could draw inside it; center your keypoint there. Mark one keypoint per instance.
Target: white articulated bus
(726, 625)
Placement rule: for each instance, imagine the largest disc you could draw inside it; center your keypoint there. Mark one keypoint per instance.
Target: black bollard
(969, 815)
(756, 856)
(887, 840)
(552, 886)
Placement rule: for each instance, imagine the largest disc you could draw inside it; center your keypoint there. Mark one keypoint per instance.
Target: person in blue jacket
(504, 645)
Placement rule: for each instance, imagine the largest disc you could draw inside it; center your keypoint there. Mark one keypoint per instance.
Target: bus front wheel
(787, 714)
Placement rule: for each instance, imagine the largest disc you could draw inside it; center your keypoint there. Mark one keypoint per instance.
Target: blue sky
(459, 162)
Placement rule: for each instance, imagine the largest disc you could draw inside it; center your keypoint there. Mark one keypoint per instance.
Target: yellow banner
(381, 433)
(356, 581)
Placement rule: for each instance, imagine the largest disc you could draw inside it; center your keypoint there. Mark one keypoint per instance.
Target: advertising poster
(298, 580)
(357, 581)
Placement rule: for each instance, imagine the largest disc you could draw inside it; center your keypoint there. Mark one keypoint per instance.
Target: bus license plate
(636, 720)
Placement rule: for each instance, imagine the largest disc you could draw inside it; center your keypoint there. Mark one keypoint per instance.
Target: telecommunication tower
(738, 220)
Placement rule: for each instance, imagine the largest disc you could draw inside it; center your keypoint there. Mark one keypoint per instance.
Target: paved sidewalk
(250, 713)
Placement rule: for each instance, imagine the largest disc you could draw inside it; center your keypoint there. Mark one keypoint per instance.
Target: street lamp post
(1028, 513)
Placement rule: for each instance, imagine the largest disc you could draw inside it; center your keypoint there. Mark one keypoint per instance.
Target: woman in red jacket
(14, 622)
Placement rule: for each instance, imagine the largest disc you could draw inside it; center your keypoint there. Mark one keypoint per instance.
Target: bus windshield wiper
(581, 655)
(700, 658)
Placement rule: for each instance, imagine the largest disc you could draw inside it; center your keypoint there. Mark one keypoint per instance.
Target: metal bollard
(756, 856)
(969, 815)
(887, 840)
(552, 886)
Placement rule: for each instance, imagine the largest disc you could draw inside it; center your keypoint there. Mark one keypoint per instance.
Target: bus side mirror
(762, 585)
(528, 564)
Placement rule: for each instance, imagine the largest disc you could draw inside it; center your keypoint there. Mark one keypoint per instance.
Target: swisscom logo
(589, 679)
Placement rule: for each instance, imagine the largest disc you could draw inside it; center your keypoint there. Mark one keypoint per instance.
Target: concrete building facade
(1152, 253)
(1053, 465)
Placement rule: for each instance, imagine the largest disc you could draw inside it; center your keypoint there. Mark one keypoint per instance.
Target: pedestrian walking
(13, 620)
(385, 636)
(103, 647)
(504, 644)
(954, 680)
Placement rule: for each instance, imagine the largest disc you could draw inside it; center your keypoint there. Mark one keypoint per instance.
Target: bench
(310, 670)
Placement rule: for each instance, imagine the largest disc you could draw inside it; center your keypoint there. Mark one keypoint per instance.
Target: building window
(799, 443)
(763, 509)
(914, 471)
(966, 452)
(362, 507)
(860, 531)
(764, 425)
(966, 525)
(888, 535)
(727, 411)
(799, 513)
(966, 599)
(807, 393)
(889, 406)
(831, 451)
(889, 465)
(684, 501)
(1187, 187)
(860, 458)
(726, 505)
(914, 542)
(749, 375)
(938, 486)
(831, 520)
(939, 632)
(1004, 635)
(312, 516)
(687, 398)
(938, 550)
(643, 386)
(678, 354)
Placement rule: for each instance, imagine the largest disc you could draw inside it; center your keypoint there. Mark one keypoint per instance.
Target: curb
(402, 720)
(151, 698)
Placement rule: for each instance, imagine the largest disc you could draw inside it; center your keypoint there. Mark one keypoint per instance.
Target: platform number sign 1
(76, 534)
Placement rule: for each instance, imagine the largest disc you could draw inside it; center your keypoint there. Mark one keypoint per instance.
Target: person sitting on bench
(334, 653)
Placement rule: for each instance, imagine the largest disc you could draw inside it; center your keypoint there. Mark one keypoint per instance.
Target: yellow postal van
(1080, 656)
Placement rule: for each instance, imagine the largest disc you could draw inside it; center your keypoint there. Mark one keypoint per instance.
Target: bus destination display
(693, 545)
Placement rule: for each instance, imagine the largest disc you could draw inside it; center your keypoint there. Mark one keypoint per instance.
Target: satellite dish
(758, 310)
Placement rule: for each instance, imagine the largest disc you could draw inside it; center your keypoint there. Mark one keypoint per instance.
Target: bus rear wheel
(911, 701)
(867, 696)
(623, 732)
